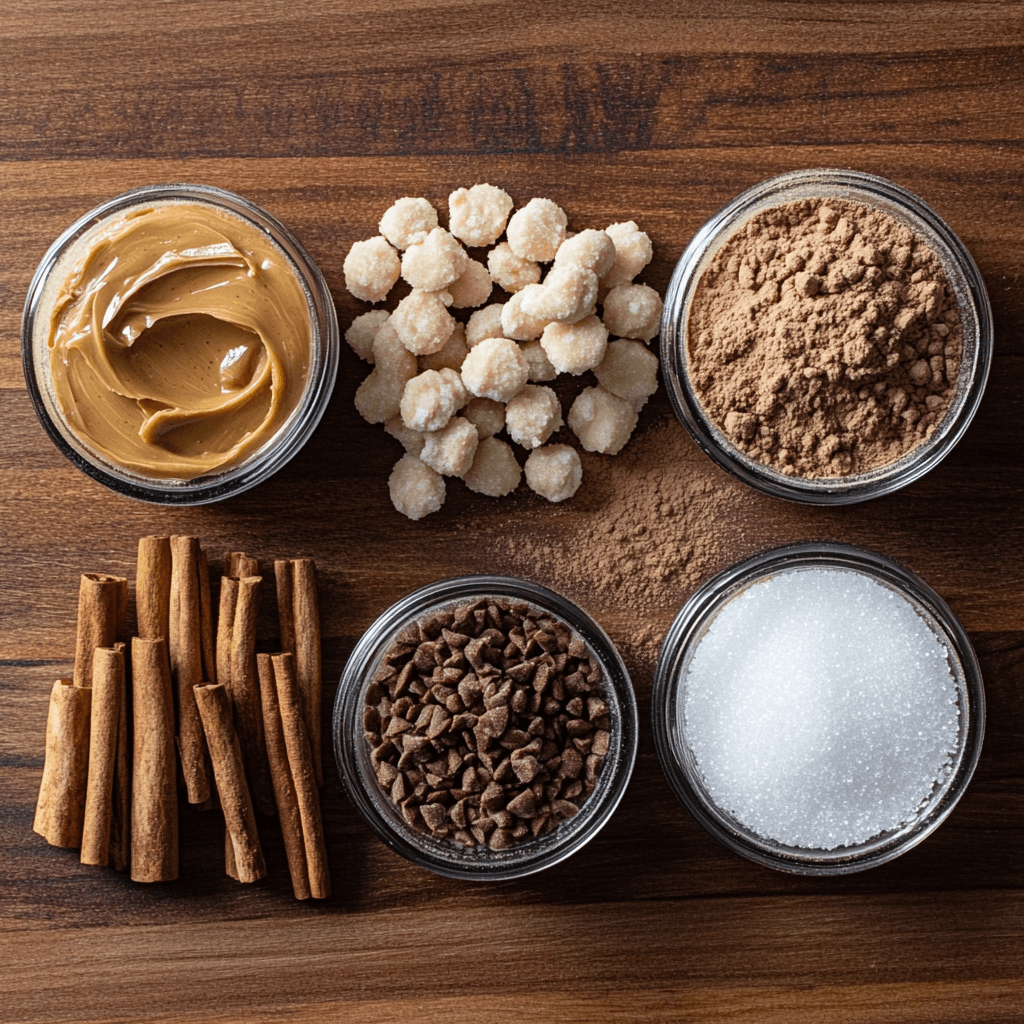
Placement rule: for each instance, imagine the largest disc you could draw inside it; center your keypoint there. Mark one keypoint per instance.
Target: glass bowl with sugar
(485, 727)
(826, 337)
(818, 709)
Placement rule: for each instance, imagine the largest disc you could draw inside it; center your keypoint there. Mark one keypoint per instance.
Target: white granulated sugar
(821, 708)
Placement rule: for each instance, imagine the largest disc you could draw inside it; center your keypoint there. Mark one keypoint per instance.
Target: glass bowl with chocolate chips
(485, 727)
(826, 337)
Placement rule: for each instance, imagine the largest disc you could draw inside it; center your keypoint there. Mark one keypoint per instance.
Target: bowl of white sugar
(818, 709)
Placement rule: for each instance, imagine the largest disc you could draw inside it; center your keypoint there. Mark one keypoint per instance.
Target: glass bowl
(278, 449)
(964, 278)
(670, 728)
(448, 858)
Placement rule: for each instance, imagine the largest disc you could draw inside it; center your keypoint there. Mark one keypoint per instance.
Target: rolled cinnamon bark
(285, 578)
(185, 644)
(60, 809)
(154, 847)
(240, 565)
(307, 653)
(121, 631)
(101, 609)
(215, 710)
(281, 776)
(206, 634)
(107, 696)
(153, 587)
(225, 629)
(245, 694)
(298, 612)
(300, 760)
(120, 825)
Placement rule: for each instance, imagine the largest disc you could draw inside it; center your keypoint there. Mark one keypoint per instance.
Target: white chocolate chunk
(554, 472)
(495, 471)
(602, 421)
(416, 489)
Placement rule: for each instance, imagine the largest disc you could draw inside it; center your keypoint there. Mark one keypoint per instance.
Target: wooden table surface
(324, 113)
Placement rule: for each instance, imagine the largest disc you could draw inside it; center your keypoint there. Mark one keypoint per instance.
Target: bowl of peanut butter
(179, 344)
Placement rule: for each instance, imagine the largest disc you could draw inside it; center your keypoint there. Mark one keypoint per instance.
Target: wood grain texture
(323, 113)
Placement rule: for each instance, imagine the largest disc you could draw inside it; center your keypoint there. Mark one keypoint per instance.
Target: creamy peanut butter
(179, 340)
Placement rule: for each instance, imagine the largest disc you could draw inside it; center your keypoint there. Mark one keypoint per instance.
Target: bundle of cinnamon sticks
(247, 730)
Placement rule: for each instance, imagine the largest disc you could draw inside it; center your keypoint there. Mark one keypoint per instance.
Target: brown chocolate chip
(494, 722)
(435, 815)
(457, 813)
(571, 764)
(454, 639)
(525, 768)
(563, 809)
(572, 790)
(524, 805)
(397, 726)
(493, 797)
(439, 722)
(501, 839)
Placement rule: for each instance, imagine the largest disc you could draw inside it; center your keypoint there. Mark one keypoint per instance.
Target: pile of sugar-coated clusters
(446, 389)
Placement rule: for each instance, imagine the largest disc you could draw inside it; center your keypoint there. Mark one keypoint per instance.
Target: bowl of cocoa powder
(826, 337)
(485, 727)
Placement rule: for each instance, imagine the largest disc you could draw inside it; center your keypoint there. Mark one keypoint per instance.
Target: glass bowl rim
(874, 191)
(347, 729)
(686, 631)
(289, 438)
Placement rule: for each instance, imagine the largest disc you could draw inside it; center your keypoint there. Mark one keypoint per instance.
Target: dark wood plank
(563, 80)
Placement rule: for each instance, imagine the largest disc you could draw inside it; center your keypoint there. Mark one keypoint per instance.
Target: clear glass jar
(278, 449)
(679, 763)
(965, 280)
(352, 751)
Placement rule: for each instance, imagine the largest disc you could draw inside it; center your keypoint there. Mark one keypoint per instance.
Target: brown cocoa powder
(654, 521)
(825, 339)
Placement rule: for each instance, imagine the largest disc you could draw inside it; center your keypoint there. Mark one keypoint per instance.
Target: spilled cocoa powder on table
(651, 525)
(825, 339)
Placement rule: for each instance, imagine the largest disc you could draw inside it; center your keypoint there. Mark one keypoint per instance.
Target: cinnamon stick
(281, 776)
(185, 646)
(300, 761)
(225, 753)
(299, 617)
(101, 609)
(308, 669)
(206, 634)
(245, 694)
(154, 847)
(121, 628)
(285, 578)
(225, 629)
(120, 825)
(107, 696)
(60, 809)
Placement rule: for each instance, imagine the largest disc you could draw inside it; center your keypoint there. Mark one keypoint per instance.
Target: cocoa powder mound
(825, 339)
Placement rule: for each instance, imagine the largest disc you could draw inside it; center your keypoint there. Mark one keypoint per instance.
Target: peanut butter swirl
(179, 341)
